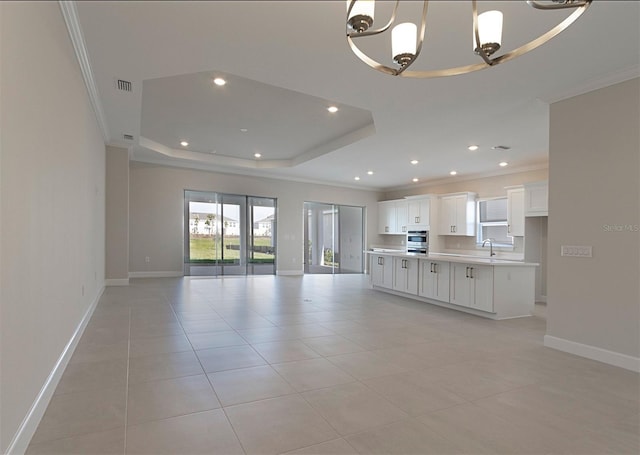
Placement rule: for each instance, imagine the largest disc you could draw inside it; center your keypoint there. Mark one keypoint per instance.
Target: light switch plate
(576, 251)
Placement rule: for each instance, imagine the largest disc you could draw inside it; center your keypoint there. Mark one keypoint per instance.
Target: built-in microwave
(418, 242)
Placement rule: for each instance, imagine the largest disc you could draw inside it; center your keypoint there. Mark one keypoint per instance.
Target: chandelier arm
(506, 57)
(369, 61)
(372, 32)
(535, 4)
(481, 52)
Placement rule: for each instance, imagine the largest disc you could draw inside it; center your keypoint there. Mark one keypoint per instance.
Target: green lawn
(206, 249)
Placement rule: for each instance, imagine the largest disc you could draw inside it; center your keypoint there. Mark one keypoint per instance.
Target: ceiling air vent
(125, 86)
(128, 137)
(500, 147)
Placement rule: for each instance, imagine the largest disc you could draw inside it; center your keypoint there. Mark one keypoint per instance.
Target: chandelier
(406, 43)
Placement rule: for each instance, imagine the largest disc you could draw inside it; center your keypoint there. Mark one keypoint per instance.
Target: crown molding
(70, 15)
(593, 84)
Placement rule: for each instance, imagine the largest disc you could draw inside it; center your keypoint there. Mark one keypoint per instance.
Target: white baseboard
(591, 352)
(289, 272)
(117, 282)
(168, 274)
(30, 423)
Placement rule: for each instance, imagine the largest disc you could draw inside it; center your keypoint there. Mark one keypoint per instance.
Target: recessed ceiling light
(257, 155)
(370, 172)
(243, 130)
(503, 164)
(414, 161)
(414, 180)
(219, 81)
(356, 178)
(332, 109)
(453, 173)
(184, 143)
(473, 148)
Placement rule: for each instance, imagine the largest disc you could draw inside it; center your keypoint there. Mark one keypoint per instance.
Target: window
(492, 222)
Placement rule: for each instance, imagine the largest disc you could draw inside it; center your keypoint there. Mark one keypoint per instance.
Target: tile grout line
(206, 375)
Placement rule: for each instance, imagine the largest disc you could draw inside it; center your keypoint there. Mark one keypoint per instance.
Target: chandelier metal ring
(579, 5)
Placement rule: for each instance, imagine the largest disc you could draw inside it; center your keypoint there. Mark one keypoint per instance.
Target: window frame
(480, 224)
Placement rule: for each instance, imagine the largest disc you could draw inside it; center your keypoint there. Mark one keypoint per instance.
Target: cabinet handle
(467, 273)
(417, 219)
(432, 267)
(508, 228)
(435, 268)
(380, 260)
(386, 229)
(471, 272)
(455, 229)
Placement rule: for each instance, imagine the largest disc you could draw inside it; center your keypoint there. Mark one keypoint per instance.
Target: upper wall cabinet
(419, 209)
(515, 212)
(393, 217)
(536, 199)
(458, 214)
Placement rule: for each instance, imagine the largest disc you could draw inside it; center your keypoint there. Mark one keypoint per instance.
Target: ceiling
(286, 62)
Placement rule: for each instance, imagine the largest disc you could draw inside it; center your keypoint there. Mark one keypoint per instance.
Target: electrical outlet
(147, 260)
(576, 251)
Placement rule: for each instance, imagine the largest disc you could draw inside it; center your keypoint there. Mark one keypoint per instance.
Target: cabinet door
(405, 276)
(402, 217)
(515, 212)
(536, 199)
(482, 278)
(434, 280)
(419, 211)
(382, 271)
(461, 285)
(447, 215)
(386, 217)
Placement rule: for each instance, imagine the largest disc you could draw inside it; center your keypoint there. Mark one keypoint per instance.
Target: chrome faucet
(484, 242)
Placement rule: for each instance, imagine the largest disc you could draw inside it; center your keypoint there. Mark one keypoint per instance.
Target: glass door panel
(262, 236)
(333, 238)
(233, 245)
(228, 234)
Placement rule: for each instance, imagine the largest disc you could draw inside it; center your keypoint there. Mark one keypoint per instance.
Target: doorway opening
(229, 234)
(333, 238)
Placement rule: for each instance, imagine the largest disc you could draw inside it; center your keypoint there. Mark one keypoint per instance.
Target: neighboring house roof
(268, 219)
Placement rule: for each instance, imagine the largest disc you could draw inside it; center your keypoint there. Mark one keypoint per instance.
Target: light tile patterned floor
(324, 365)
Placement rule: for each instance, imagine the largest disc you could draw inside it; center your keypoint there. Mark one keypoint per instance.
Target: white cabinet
(393, 217)
(536, 199)
(458, 214)
(515, 212)
(402, 216)
(434, 280)
(405, 276)
(386, 217)
(471, 286)
(419, 211)
(381, 270)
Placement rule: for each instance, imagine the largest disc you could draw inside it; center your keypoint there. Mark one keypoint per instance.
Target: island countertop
(448, 257)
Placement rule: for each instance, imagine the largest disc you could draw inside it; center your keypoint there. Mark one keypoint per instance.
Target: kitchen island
(487, 287)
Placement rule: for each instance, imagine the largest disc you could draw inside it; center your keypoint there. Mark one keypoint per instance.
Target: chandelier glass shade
(407, 38)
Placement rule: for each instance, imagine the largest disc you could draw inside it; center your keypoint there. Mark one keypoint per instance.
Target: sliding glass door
(227, 234)
(333, 238)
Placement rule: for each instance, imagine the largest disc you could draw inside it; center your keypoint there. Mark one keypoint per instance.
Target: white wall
(51, 203)
(594, 182)
(157, 211)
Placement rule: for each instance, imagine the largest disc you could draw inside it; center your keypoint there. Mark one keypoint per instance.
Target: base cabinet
(471, 286)
(405, 277)
(434, 280)
(381, 270)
